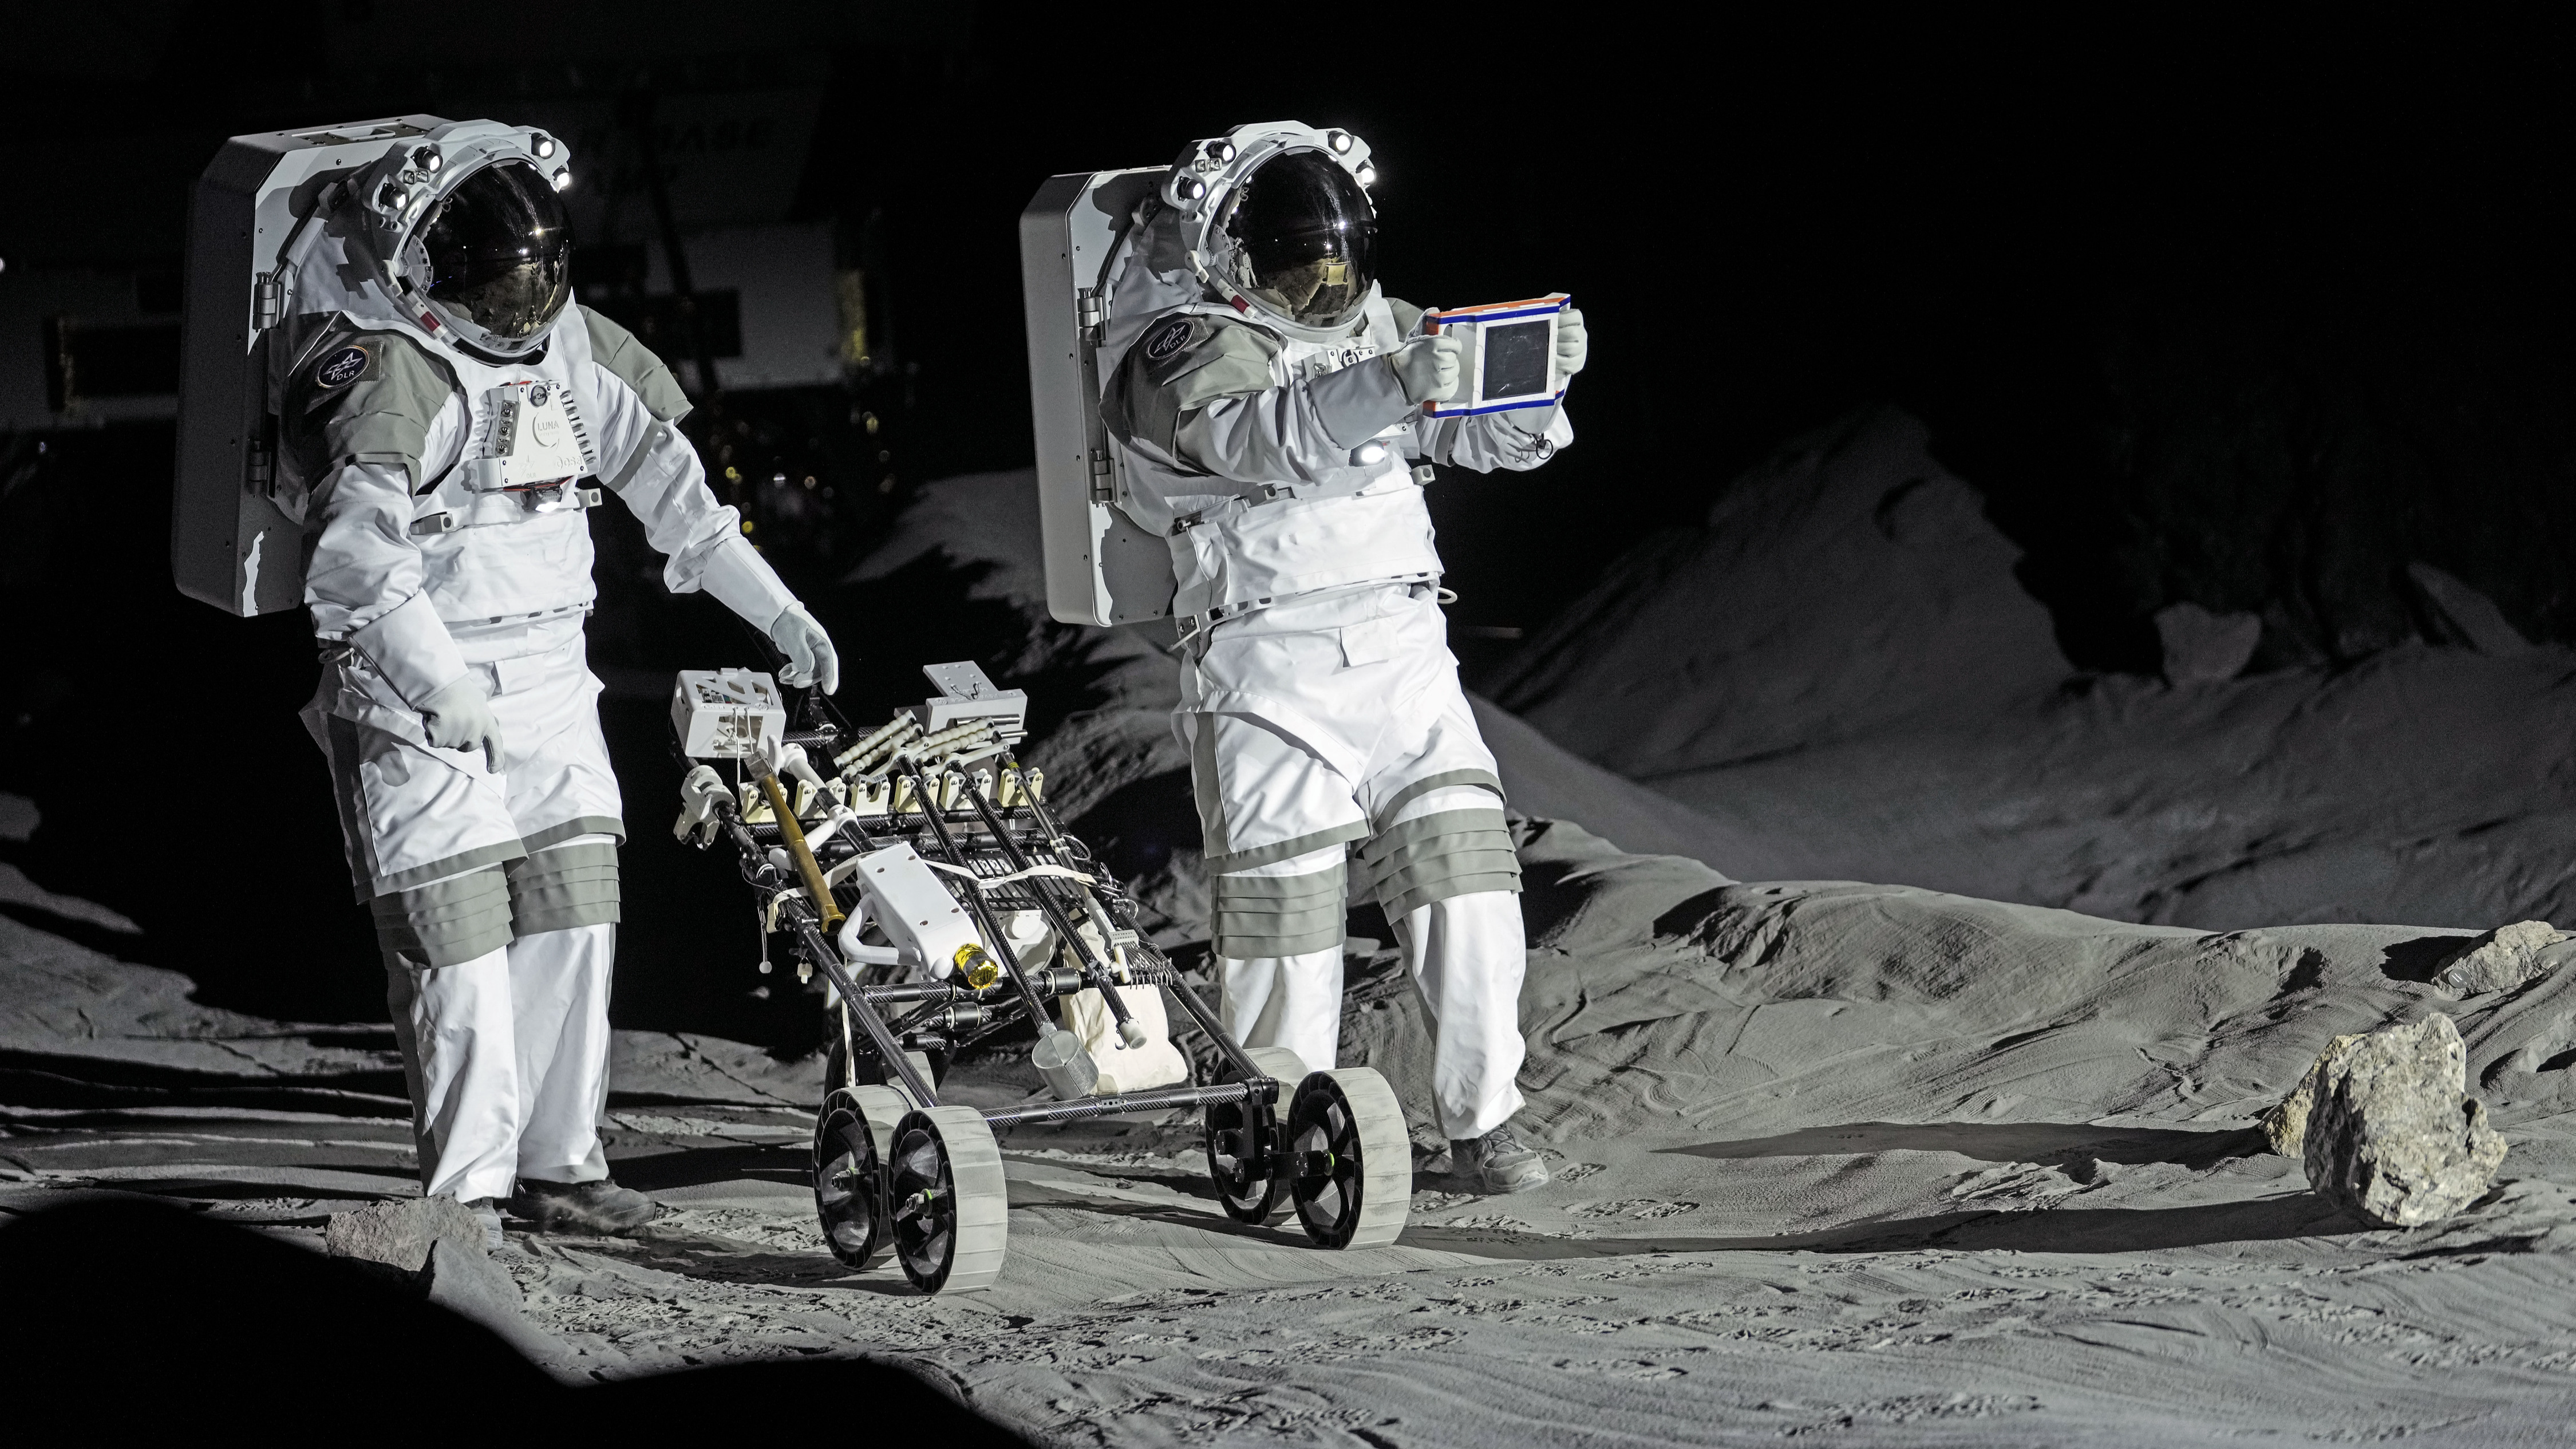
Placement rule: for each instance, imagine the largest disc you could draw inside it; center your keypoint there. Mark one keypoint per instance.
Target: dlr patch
(1167, 339)
(342, 367)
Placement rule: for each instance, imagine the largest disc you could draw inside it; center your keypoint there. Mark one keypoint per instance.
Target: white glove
(1571, 348)
(1427, 368)
(459, 717)
(810, 656)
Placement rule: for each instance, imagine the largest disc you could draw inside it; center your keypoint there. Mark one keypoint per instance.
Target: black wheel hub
(1324, 1143)
(845, 1182)
(921, 1199)
(1242, 1150)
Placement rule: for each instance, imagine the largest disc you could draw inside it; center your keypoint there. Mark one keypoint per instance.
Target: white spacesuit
(441, 411)
(1268, 397)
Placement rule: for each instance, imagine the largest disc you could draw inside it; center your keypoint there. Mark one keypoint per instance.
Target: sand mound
(1838, 668)
(1665, 1002)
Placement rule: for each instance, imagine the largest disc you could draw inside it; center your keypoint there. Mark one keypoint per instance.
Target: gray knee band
(1413, 863)
(1279, 915)
(567, 886)
(447, 922)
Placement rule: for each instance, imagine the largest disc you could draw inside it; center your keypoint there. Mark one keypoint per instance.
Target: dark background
(2245, 312)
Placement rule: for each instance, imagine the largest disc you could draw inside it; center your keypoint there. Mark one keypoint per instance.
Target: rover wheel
(852, 1135)
(1350, 1161)
(947, 1206)
(1242, 1139)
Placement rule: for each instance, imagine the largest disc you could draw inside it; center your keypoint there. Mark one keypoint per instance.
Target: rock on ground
(2505, 958)
(2393, 1134)
(400, 1233)
(2201, 647)
(2285, 1127)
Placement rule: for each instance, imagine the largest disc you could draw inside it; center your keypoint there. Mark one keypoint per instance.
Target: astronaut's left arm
(649, 465)
(1210, 404)
(1513, 441)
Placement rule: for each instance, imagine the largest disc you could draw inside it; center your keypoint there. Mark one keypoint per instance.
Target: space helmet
(474, 235)
(1300, 238)
(493, 259)
(1275, 219)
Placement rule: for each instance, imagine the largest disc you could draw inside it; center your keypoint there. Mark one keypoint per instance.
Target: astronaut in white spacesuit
(439, 418)
(1268, 398)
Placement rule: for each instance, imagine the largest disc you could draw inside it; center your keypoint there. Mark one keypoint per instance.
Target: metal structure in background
(636, 112)
(917, 868)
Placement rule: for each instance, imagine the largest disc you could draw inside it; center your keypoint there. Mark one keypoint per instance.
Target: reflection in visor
(1306, 239)
(500, 251)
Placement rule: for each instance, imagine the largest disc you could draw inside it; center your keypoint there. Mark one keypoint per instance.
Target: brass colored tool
(797, 850)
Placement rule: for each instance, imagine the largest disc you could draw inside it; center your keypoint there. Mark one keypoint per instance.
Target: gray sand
(1866, 1162)
(1863, 1161)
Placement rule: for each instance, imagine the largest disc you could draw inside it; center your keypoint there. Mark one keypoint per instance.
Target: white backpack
(1101, 568)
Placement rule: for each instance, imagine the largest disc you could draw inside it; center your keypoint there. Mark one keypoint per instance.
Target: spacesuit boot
(1496, 1163)
(582, 1207)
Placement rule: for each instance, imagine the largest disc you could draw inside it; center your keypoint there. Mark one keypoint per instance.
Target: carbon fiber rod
(1089, 1107)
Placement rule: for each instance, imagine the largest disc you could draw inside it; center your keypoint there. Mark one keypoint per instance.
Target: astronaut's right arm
(650, 466)
(1200, 393)
(655, 472)
(365, 583)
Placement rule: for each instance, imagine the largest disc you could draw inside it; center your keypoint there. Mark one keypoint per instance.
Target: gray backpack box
(1101, 568)
(231, 545)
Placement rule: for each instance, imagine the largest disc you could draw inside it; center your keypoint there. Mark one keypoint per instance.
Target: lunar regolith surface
(1969, 1155)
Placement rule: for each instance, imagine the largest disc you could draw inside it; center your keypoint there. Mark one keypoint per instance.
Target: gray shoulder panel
(1407, 316)
(1181, 365)
(364, 397)
(633, 363)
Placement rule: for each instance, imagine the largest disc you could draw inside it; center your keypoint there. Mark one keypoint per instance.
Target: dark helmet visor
(1306, 237)
(500, 251)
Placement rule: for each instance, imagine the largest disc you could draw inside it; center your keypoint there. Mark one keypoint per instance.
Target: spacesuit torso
(446, 497)
(497, 513)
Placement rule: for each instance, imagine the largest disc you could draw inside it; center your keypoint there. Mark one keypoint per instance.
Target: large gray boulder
(2285, 1127)
(2505, 958)
(2392, 1132)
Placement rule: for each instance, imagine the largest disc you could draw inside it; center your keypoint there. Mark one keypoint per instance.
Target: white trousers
(1327, 722)
(1466, 955)
(506, 1056)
